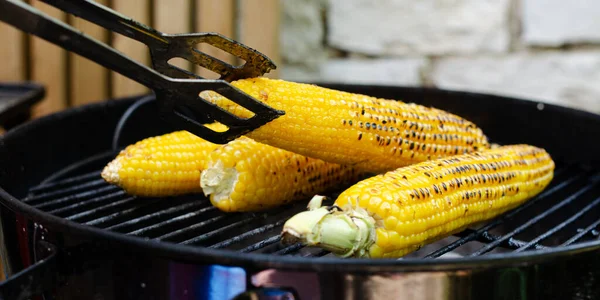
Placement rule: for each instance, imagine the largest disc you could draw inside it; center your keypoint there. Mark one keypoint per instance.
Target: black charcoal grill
(76, 237)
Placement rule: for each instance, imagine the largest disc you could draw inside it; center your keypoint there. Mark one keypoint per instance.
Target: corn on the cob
(245, 175)
(372, 134)
(392, 214)
(165, 165)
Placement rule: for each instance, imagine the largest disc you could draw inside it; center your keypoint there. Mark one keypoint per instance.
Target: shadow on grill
(565, 213)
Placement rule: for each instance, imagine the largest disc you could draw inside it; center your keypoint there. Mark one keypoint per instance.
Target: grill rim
(196, 254)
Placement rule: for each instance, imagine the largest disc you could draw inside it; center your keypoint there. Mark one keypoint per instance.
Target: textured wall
(546, 50)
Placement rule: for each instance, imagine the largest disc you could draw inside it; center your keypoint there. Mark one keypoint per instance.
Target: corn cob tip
(218, 181)
(345, 233)
(110, 173)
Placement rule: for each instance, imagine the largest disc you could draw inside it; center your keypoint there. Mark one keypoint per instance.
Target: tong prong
(209, 62)
(185, 46)
(262, 112)
(186, 92)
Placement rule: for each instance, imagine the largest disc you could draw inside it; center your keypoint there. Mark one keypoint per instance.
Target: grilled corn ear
(244, 175)
(392, 214)
(372, 134)
(166, 165)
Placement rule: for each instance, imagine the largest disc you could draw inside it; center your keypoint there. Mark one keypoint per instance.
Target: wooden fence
(71, 80)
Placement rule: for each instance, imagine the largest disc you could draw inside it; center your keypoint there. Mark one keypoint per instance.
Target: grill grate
(565, 213)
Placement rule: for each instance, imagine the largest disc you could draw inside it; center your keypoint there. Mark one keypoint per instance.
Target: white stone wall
(546, 50)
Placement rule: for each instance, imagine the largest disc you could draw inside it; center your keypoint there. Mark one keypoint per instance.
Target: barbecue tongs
(176, 89)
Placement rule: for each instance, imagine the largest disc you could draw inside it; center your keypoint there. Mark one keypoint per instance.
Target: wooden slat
(139, 10)
(215, 16)
(48, 66)
(259, 28)
(89, 81)
(12, 52)
(174, 17)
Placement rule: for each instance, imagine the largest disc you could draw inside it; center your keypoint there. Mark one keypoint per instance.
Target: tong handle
(33, 21)
(112, 20)
(173, 93)
(164, 47)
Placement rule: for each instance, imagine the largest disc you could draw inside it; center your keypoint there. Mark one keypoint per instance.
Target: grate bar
(110, 217)
(74, 197)
(67, 191)
(173, 220)
(475, 234)
(534, 220)
(579, 235)
(560, 226)
(61, 183)
(208, 235)
(289, 249)
(87, 202)
(266, 242)
(190, 228)
(100, 209)
(511, 243)
(247, 234)
(157, 214)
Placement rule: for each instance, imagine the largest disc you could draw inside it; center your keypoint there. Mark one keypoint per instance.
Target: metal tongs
(176, 89)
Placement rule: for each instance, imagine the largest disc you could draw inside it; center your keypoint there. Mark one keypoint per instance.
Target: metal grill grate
(562, 215)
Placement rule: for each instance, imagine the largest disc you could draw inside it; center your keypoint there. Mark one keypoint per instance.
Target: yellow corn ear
(244, 175)
(372, 134)
(400, 211)
(160, 166)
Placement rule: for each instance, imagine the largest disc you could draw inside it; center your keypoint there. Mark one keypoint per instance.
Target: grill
(80, 196)
(97, 240)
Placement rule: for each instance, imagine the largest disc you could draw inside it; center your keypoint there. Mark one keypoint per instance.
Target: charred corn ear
(392, 214)
(165, 165)
(375, 135)
(244, 175)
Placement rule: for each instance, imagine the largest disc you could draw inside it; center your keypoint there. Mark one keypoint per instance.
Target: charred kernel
(359, 136)
(350, 122)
